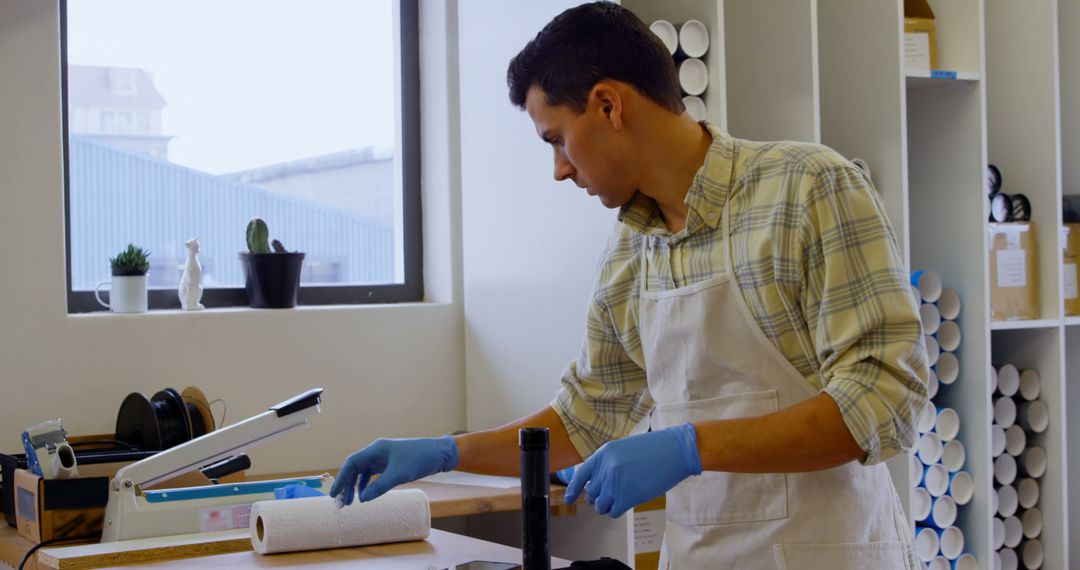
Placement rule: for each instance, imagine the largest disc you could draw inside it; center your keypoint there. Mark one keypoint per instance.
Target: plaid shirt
(815, 259)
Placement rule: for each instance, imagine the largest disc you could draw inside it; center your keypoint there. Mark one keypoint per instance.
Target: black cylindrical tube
(535, 499)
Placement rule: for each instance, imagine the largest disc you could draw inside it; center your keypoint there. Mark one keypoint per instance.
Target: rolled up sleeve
(862, 315)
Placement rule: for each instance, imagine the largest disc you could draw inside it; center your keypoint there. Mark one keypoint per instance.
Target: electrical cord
(50, 542)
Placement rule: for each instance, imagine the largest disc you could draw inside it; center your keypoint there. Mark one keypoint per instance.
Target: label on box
(648, 530)
(1011, 268)
(224, 518)
(917, 51)
(1012, 239)
(1068, 280)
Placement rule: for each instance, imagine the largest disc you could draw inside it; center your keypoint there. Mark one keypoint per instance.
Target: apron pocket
(842, 556)
(716, 497)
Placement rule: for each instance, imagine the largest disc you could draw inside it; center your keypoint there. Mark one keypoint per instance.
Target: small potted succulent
(127, 288)
(271, 273)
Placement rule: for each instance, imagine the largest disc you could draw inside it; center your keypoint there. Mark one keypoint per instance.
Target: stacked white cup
(688, 43)
(1020, 418)
(942, 485)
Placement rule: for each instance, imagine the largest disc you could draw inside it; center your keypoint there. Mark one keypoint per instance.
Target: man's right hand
(396, 461)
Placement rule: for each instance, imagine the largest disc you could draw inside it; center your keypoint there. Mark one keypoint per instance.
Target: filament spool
(165, 420)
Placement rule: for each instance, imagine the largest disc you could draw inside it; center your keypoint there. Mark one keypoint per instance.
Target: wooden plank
(446, 500)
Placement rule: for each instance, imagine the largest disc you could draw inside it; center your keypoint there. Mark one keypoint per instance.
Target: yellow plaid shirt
(815, 259)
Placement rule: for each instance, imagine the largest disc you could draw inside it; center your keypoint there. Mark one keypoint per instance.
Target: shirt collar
(706, 197)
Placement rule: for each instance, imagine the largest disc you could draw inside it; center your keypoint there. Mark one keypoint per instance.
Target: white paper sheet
(462, 478)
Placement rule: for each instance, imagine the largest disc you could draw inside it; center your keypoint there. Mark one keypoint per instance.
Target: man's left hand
(630, 471)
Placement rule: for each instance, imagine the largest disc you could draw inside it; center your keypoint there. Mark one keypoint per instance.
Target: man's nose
(563, 168)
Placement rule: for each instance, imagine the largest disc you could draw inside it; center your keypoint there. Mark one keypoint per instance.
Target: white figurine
(191, 289)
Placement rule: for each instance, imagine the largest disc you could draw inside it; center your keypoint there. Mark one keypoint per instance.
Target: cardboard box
(920, 43)
(1070, 239)
(47, 509)
(1014, 274)
(649, 523)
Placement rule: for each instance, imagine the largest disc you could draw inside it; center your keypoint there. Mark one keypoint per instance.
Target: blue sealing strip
(942, 74)
(227, 490)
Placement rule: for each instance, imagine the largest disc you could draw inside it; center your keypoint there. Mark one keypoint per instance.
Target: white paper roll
(695, 107)
(933, 352)
(949, 304)
(1014, 532)
(317, 523)
(961, 487)
(930, 317)
(1030, 385)
(1032, 523)
(1015, 440)
(693, 38)
(939, 563)
(997, 440)
(1033, 554)
(993, 380)
(949, 336)
(998, 527)
(1034, 416)
(927, 416)
(1007, 500)
(667, 33)
(947, 424)
(927, 544)
(930, 448)
(921, 504)
(1033, 462)
(933, 385)
(1009, 561)
(1008, 380)
(1005, 471)
(948, 368)
(952, 542)
(953, 456)
(966, 562)
(1027, 492)
(693, 76)
(1004, 410)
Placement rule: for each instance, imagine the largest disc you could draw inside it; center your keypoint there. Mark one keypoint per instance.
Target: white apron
(707, 359)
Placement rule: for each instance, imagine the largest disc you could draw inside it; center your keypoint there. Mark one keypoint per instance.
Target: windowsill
(176, 313)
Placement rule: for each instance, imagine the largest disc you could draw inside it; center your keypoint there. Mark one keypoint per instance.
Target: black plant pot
(272, 279)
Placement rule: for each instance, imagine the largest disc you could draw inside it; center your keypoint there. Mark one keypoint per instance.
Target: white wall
(530, 245)
(376, 362)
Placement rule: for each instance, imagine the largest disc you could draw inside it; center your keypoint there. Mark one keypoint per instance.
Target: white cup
(928, 283)
(1033, 462)
(665, 30)
(948, 336)
(1034, 416)
(1004, 411)
(693, 76)
(930, 317)
(127, 294)
(998, 527)
(966, 561)
(961, 487)
(930, 448)
(921, 504)
(997, 440)
(947, 424)
(936, 480)
(952, 542)
(1009, 561)
(1008, 380)
(1015, 440)
(943, 512)
(949, 304)
(933, 351)
(1032, 522)
(916, 469)
(939, 563)
(927, 544)
(695, 107)
(693, 38)
(1027, 492)
(1033, 554)
(924, 423)
(1014, 532)
(1005, 472)
(1030, 385)
(1007, 500)
(948, 368)
(953, 456)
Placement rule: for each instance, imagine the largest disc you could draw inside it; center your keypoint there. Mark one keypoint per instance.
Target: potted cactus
(271, 273)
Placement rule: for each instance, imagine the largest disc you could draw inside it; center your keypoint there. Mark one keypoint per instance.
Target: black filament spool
(198, 425)
(153, 424)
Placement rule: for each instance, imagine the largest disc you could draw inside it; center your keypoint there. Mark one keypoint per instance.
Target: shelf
(1071, 321)
(1026, 324)
(919, 79)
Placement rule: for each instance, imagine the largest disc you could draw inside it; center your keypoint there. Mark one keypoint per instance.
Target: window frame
(411, 290)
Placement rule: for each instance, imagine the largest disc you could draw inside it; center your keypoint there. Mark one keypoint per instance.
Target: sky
(252, 82)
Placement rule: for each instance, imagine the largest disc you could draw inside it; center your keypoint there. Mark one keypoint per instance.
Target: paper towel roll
(317, 523)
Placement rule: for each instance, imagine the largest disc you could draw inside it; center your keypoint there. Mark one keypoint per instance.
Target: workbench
(233, 548)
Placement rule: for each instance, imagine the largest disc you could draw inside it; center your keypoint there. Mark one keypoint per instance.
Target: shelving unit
(831, 71)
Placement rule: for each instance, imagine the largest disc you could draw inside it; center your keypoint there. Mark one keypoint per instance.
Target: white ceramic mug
(127, 294)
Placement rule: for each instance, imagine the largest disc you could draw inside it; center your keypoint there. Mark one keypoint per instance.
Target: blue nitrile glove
(296, 492)
(398, 460)
(630, 471)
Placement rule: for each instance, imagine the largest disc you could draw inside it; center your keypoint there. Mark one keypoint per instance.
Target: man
(751, 307)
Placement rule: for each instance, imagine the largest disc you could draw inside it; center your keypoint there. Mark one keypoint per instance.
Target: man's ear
(606, 99)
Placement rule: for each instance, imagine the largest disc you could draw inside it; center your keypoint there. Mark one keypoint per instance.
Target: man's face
(588, 148)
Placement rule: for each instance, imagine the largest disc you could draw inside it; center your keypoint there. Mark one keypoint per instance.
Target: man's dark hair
(587, 44)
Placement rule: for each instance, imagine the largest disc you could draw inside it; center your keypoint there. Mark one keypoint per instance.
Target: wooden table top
(446, 500)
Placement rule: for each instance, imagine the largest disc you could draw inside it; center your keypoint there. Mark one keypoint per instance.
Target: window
(302, 113)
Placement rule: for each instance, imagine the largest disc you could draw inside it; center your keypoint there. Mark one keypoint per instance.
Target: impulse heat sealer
(136, 513)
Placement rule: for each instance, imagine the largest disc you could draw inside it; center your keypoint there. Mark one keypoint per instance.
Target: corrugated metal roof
(120, 197)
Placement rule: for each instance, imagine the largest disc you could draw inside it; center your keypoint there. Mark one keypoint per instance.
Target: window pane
(187, 118)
